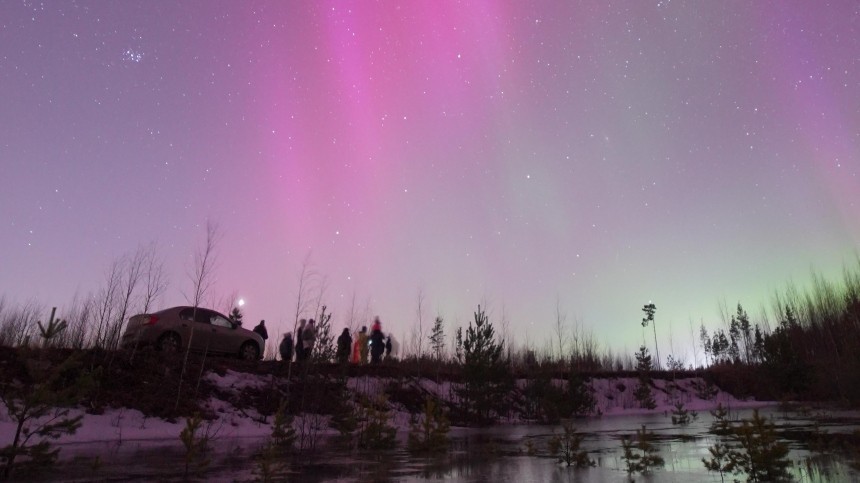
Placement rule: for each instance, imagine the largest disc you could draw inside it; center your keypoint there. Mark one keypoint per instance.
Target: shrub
(763, 456)
(567, 448)
(681, 416)
(196, 441)
(374, 429)
(36, 400)
(641, 455)
(430, 433)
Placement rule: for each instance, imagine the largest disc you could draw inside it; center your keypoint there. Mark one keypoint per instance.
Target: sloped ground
(149, 382)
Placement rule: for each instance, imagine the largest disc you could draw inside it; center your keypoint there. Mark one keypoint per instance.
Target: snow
(614, 396)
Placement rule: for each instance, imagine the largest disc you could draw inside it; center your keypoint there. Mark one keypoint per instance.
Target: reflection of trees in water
(494, 455)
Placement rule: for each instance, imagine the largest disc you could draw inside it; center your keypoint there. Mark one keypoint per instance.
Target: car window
(203, 316)
(221, 322)
(186, 314)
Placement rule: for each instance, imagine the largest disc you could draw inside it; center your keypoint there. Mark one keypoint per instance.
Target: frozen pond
(499, 453)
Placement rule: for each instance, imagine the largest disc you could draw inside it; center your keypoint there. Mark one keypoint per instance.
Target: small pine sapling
(429, 434)
(196, 443)
(375, 430)
(761, 455)
(271, 464)
(641, 455)
(344, 418)
(50, 330)
(567, 447)
(283, 433)
(723, 458)
(721, 425)
(682, 416)
(37, 405)
(643, 393)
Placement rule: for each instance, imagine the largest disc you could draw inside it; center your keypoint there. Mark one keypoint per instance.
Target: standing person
(355, 357)
(344, 344)
(388, 348)
(377, 342)
(300, 352)
(261, 329)
(361, 343)
(309, 337)
(286, 347)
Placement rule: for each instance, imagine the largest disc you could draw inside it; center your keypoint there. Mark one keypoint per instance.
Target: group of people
(357, 351)
(303, 345)
(348, 350)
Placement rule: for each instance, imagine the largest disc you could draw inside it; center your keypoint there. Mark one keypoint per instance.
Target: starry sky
(537, 157)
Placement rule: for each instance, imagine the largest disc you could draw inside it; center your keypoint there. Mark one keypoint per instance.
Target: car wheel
(249, 352)
(169, 342)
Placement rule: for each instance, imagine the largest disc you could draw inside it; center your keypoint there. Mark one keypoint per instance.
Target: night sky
(527, 155)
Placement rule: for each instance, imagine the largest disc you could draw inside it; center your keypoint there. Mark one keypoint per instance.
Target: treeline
(811, 352)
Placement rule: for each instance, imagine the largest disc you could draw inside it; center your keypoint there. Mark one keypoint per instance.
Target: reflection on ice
(507, 453)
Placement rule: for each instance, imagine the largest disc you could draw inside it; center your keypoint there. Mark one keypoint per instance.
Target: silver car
(170, 330)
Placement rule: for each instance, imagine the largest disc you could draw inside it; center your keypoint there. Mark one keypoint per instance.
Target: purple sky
(515, 153)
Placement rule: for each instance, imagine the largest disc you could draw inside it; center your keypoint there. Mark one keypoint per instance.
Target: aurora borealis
(587, 156)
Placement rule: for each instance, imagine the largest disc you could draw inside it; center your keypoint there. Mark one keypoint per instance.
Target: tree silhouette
(649, 310)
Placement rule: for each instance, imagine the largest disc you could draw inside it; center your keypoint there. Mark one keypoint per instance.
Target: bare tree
(321, 288)
(78, 317)
(18, 323)
(695, 346)
(154, 279)
(418, 329)
(323, 320)
(306, 276)
(228, 303)
(303, 298)
(131, 274)
(350, 321)
(559, 328)
(505, 324)
(201, 275)
(105, 301)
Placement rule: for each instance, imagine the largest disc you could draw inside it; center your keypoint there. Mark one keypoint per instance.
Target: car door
(223, 334)
(202, 337)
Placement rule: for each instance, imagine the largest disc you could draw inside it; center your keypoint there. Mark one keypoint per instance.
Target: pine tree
(271, 465)
(485, 375)
(579, 399)
(706, 342)
(641, 456)
(37, 405)
(429, 434)
(723, 456)
(53, 328)
(324, 349)
(745, 332)
(283, 433)
(437, 338)
(764, 456)
(344, 418)
(682, 416)
(734, 336)
(643, 392)
(567, 448)
(375, 430)
(721, 459)
(196, 445)
(236, 316)
(649, 310)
